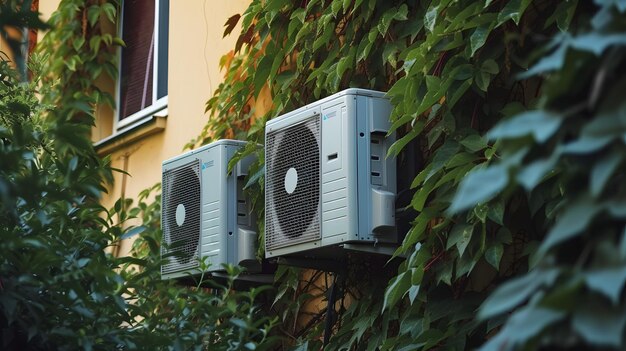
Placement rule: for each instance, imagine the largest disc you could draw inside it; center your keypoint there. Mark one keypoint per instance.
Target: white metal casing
(227, 228)
(357, 183)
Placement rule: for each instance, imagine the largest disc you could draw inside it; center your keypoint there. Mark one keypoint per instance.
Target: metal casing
(348, 183)
(206, 216)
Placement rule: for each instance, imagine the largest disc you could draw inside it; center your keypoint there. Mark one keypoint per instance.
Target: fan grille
(181, 186)
(293, 217)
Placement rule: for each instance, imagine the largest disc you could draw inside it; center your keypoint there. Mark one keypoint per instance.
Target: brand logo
(329, 116)
(207, 165)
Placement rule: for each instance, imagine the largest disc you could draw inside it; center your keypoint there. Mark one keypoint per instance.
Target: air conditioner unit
(328, 183)
(205, 213)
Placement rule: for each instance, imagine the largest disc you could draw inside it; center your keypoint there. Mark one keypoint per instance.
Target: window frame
(158, 104)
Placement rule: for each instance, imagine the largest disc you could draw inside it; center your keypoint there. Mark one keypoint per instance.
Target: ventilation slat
(181, 231)
(293, 157)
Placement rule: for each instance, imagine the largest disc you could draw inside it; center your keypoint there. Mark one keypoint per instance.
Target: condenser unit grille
(293, 184)
(181, 216)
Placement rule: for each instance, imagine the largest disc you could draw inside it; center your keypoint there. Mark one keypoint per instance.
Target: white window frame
(157, 104)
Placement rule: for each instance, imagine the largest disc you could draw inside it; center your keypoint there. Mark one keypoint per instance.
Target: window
(142, 85)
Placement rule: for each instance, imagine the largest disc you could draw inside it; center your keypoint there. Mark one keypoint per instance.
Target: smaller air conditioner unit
(205, 214)
(328, 182)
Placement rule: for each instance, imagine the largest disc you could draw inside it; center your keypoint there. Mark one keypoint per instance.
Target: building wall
(195, 48)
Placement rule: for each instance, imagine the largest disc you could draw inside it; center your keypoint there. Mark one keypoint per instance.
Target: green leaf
(601, 172)
(515, 291)
(385, 21)
(538, 123)
(442, 157)
(413, 291)
(479, 186)
(93, 14)
(552, 62)
(262, 73)
(585, 145)
(134, 231)
(490, 66)
(479, 38)
(474, 142)
(565, 13)
(598, 324)
(460, 237)
(514, 10)
(596, 42)
(399, 144)
(532, 174)
(78, 43)
(493, 255)
(431, 18)
(396, 289)
(574, 219)
(609, 282)
(522, 326)
(401, 13)
(109, 11)
(482, 80)
(496, 211)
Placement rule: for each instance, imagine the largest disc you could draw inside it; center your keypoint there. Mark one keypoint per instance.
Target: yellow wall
(195, 48)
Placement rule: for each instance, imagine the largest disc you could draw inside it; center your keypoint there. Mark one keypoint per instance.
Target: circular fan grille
(181, 212)
(293, 179)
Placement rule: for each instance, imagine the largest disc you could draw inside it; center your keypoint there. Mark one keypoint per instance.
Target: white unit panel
(220, 200)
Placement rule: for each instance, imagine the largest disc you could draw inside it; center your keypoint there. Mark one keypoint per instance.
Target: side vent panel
(181, 216)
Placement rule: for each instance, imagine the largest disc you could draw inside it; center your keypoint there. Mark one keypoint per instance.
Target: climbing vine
(509, 111)
(60, 288)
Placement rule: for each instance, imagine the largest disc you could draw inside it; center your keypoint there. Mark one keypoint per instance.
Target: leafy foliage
(514, 107)
(60, 288)
(572, 179)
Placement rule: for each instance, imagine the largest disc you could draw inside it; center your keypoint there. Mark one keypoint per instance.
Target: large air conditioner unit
(328, 182)
(205, 214)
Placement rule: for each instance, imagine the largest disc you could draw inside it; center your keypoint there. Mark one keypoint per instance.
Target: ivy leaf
(490, 66)
(109, 11)
(442, 156)
(431, 18)
(540, 124)
(564, 14)
(574, 219)
(522, 326)
(460, 237)
(586, 145)
(230, 24)
(396, 289)
(474, 142)
(93, 14)
(596, 43)
(482, 80)
(609, 282)
(493, 255)
(262, 73)
(479, 186)
(496, 211)
(134, 231)
(401, 13)
(601, 172)
(513, 10)
(598, 324)
(552, 62)
(532, 174)
(515, 291)
(385, 21)
(479, 38)
(413, 291)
